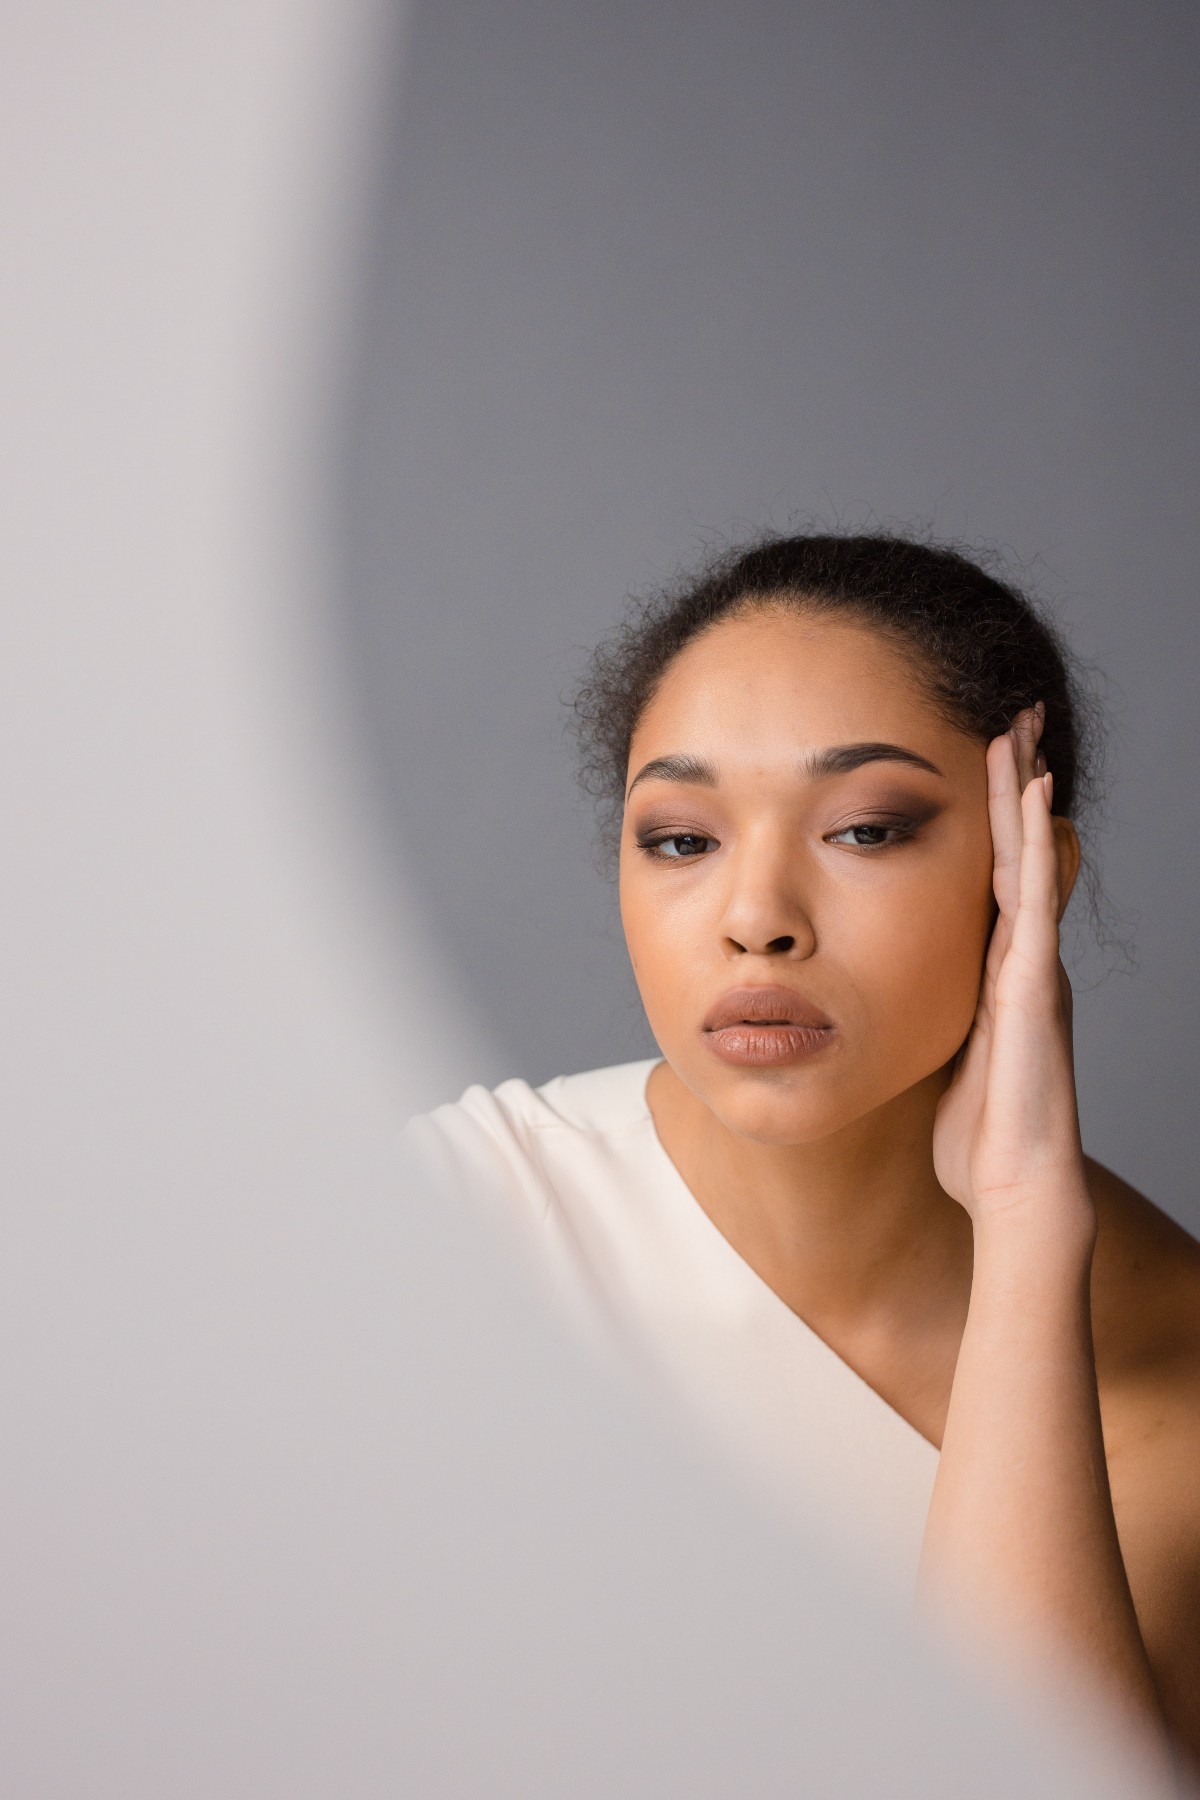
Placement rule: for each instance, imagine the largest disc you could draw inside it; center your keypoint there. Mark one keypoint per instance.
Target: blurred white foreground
(301, 1494)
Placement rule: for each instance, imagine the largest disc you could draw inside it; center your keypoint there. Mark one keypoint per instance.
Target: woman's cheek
(928, 973)
(659, 953)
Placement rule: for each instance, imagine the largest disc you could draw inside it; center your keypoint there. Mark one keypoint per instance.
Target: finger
(1066, 1007)
(1004, 814)
(1035, 929)
(1027, 730)
(993, 962)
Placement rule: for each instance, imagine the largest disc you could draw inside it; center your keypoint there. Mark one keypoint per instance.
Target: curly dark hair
(979, 646)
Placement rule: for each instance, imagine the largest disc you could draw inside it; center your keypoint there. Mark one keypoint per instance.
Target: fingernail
(1048, 784)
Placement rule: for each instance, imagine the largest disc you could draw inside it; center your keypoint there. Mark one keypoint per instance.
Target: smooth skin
(916, 1190)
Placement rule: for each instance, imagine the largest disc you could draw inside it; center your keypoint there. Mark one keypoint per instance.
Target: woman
(849, 1211)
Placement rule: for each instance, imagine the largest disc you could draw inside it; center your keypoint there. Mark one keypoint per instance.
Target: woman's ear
(1066, 848)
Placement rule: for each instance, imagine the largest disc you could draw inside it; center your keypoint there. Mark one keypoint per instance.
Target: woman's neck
(854, 1233)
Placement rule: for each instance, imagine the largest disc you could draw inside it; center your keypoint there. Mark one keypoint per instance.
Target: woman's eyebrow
(840, 759)
(675, 768)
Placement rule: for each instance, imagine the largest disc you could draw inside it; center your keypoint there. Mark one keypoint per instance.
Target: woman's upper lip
(770, 1005)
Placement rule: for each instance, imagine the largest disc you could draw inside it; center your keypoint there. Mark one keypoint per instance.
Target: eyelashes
(676, 846)
(874, 834)
(869, 836)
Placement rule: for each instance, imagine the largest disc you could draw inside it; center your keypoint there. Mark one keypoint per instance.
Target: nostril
(781, 944)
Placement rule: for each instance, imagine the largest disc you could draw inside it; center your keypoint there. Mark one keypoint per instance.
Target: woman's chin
(779, 1112)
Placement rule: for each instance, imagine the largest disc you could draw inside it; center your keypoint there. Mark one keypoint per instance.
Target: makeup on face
(763, 1026)
(842, 805)
(806, 875)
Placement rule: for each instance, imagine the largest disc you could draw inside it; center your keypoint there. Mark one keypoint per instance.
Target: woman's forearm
(1021, 1531)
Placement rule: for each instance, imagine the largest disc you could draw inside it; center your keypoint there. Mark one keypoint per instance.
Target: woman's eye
(678, 847)
(870, 836)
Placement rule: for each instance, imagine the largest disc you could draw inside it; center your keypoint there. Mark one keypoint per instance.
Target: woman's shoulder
(558, 1168)
(1146, 1307)
(1145, 1288)
(595, 1100)
(514, 1131)
(1146, 1324)
(1147, 1264)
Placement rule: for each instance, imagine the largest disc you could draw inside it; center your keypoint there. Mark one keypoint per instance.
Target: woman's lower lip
(764, 1043)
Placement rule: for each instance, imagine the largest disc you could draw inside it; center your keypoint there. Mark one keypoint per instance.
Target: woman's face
(806, 869)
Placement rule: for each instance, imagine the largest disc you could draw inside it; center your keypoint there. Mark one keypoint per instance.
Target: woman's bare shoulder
(1146, 1323)
(1147, 1268)
(1145, 1289)
(1146, 1314)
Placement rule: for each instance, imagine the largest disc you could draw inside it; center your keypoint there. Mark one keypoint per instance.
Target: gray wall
(645, 277)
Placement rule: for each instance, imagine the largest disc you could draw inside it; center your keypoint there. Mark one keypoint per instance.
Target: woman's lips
(764, 1027)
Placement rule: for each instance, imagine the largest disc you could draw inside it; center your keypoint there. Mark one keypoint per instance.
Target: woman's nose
(786, 943)
(764, 913)
(778, 946)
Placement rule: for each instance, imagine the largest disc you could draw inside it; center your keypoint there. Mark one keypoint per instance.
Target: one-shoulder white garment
(577, 1171)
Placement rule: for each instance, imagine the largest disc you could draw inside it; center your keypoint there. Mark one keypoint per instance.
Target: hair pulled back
(976, 643)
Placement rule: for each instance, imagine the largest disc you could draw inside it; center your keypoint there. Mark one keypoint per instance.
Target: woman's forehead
(797, 680)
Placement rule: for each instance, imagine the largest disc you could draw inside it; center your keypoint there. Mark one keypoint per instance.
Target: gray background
(646, 277)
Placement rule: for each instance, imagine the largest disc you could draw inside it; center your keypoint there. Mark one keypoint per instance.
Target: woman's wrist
(1049, 1229)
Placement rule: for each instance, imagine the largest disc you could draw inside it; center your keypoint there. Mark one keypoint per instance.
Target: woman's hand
(1007, 1128)
(1021, 1540)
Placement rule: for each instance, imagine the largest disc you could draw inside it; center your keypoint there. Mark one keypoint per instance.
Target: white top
(577, 1169)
